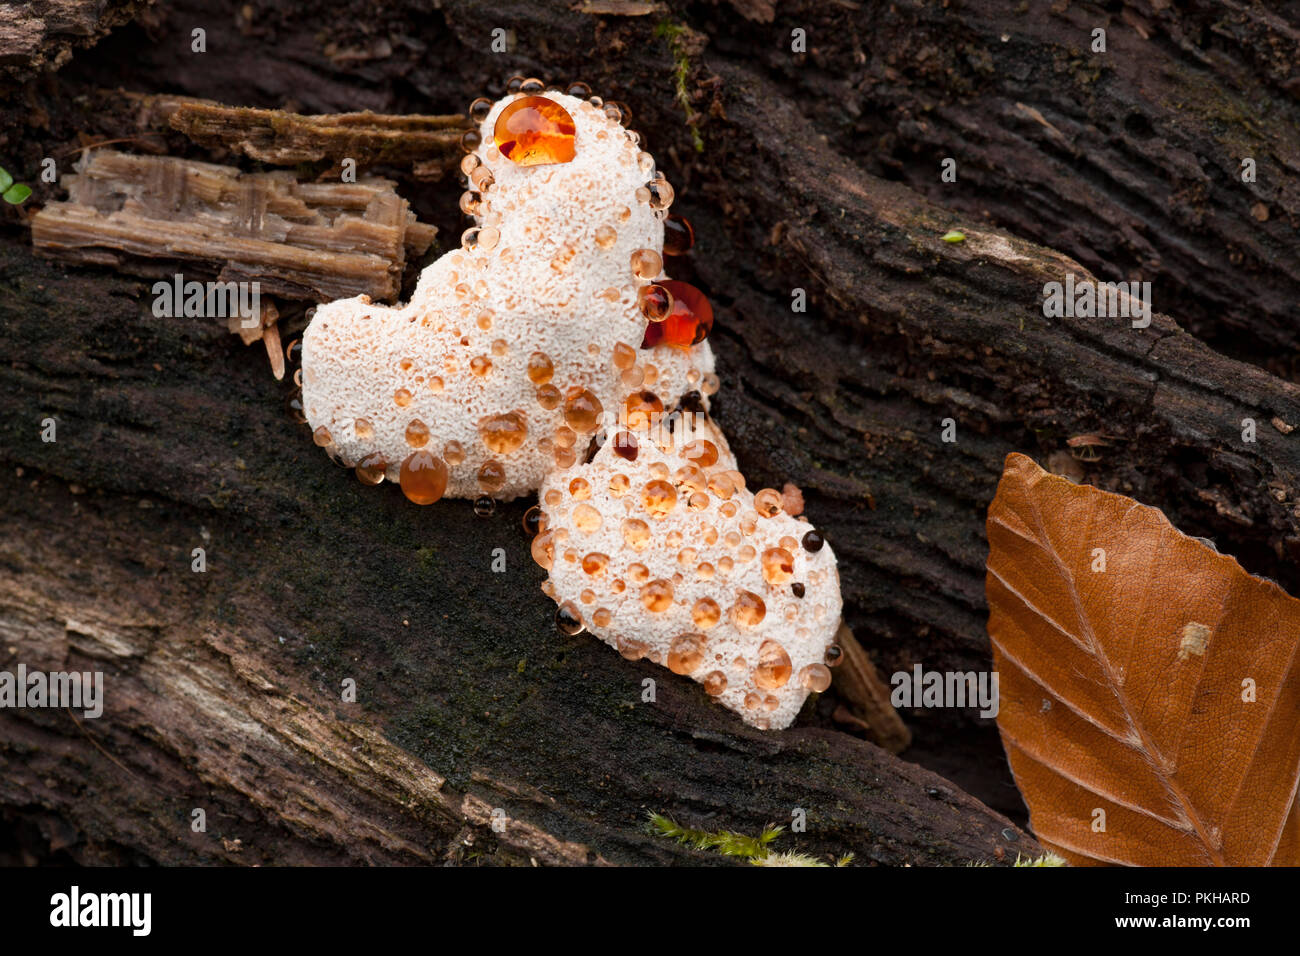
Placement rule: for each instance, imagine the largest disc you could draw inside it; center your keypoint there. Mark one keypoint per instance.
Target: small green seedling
(10, 191)
(954, 236)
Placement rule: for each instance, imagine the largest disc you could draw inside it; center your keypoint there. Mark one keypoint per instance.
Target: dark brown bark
(819, 173)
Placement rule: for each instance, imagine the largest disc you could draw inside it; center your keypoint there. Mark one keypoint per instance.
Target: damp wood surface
(817, 172)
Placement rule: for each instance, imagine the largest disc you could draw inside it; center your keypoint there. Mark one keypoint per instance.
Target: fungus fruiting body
(551, 353)
(514, 345)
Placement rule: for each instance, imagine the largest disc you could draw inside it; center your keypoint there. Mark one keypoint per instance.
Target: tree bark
(817, 172)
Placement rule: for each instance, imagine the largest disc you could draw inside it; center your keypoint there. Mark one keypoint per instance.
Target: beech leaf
(1150, 687)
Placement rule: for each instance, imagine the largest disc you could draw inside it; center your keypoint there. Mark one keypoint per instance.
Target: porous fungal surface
(662, 553)
(514, 345)
(551, 352)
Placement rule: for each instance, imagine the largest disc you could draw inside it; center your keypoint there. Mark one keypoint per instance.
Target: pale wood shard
(317, 241)
(868, 705)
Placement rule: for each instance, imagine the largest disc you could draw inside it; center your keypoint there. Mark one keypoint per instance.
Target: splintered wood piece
(286, 139)
(868, 706)
(317, 241)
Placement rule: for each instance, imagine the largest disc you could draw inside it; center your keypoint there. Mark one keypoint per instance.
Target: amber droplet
(606, 236)
(815, 677)
(636, 534)
(749, 609)
(370, 470)
(503, 433)
(813, 541)
(417, 433)
(533, 521)
(568, 619)
(532, 85)
(595, 563)
(582, 411)
(773, 668)
(602, 616)
(479, 109)
(548, 396)
(579, 90)
(661, 194)
(646, 263)
(322, 437)
(402, 397)
(626, 446)
(618, 485)
(659, 498)
(642, 409)
(480, 365)
(492, 477)
(778, 566)
(454, 452)
(632, 650)
(423, 477)
(688, 324)
(485, 506)
(768, 502)
(702, 453)
(679, 237)
(580, 489)
(540, 368)
(657, 596)
(543, 549)
(655, 301)
(534, 131)
(797, 589)
(715, 682)
(834, 655)
(706, 613)
(513, 84)
(686, 653)
(470, 141)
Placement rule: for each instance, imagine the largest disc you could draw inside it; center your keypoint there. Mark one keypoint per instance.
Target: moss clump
(756, 849)
(677, 34)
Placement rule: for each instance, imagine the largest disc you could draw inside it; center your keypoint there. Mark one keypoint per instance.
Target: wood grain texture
(818, 172)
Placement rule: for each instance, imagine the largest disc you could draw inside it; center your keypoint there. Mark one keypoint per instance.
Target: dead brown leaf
(1150, 690)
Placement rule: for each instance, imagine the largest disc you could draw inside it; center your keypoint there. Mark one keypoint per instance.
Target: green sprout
(755, 849)
(10, 191)
(954, 236)
(675, 34)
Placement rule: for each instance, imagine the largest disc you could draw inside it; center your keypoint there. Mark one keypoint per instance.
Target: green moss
(675, 34)
(756, 849)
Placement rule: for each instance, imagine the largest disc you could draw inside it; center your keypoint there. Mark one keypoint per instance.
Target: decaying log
(468, 699)
(316, 241)
(41, 34)
(432, 143)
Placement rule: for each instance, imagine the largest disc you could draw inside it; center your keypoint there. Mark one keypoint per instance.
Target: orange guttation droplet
(642, 409)
(688, 324)
(655, 301)
(815, 677)
(773, 668)
(778, 566)
(503, 433)
(749, 609)
(535, 131)
(370, 470)
(423, 477)
(686, 653)
(715, 682)
(582, 411)
(704, 453)
(492, 477)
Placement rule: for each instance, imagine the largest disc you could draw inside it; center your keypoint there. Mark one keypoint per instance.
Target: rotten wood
(817, 172)
(316, 241)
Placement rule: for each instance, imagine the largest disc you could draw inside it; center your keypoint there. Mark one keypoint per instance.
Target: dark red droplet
(626, 446)
(679, 237)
